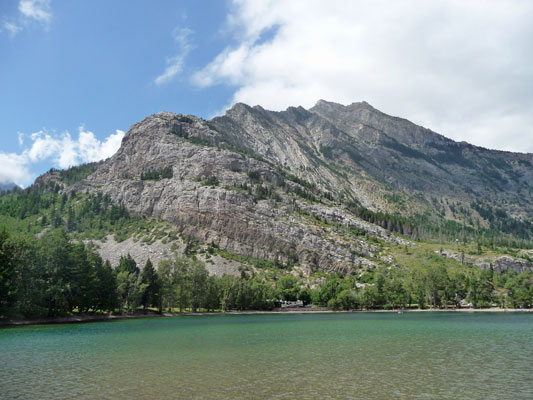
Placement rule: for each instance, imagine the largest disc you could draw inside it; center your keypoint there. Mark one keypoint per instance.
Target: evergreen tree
(151, 297)
(8, 272)
(128, 264)
(167, 278)
(198, 284)
(182, 286)
(212, 294)
(106, 290)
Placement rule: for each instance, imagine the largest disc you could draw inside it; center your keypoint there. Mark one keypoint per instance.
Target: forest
(49, 267)
(54, 276)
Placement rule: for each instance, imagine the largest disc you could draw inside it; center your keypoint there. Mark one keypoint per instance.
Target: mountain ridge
(313, 187)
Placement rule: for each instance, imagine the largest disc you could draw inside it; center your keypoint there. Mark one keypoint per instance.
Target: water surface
(279, 356)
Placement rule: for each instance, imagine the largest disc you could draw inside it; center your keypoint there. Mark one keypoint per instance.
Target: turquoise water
(277, 356)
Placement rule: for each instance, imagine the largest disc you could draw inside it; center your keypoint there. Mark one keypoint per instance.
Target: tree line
(426, 286)
(53, 276)
(504, 230)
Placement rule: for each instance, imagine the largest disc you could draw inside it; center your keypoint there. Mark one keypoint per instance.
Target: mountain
(369, 155)
(332, 188)
(338, 206)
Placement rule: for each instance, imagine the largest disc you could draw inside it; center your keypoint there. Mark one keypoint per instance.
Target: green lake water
(274, 356)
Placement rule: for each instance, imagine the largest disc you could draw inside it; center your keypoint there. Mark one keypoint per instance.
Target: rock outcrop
(498, 264)
(504, 263)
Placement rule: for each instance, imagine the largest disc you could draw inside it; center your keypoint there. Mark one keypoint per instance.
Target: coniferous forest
(53, 276)
(50, 267)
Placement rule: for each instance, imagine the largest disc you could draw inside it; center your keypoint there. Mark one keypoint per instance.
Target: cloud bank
(460, 68)
(62, 150)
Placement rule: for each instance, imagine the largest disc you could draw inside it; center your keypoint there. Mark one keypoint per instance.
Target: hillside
(334, 162)
(298, 194)
(276, 185)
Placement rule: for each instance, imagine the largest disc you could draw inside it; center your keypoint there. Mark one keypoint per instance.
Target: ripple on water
(381, 355)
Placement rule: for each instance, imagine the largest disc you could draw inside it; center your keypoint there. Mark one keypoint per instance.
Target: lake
(278, 356)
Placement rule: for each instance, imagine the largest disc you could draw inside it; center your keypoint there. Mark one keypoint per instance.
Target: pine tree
(151, 297)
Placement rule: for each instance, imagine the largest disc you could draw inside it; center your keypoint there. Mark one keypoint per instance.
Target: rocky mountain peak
(238, 109)
(361, 105)
(324, 105)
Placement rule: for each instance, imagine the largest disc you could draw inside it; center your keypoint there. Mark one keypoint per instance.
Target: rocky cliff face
(215, 195)
(372, 156)
(273, 185)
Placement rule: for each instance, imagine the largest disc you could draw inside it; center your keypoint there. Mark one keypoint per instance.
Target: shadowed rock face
(220, 169)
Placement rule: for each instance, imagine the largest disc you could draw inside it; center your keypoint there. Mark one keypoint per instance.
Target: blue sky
(94, 64)
(74, 75)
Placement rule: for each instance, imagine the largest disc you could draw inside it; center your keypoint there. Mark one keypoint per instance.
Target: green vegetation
(184, 119)
(452, 153)
(264, 189)
(258, 263)
(53, 276)
(434, 286)
(76, 174)
(82, 216)
(407, 151)
(193, 139)
(210, 181)
(504, 230)
(501, 221)
(327, 151)
(255, 176)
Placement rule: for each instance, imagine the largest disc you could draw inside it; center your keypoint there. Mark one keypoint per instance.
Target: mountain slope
(352, 142)
(313, 188)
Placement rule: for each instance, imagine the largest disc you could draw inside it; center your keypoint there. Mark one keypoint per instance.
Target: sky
(75, 75)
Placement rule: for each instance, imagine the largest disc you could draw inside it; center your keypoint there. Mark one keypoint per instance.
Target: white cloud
(11, 28)
(45, 146)
(111, 144)
(14, 168)
(62, 150)
(38, 10)
(175, 64)
(89, 148)
(460, 68)
(174, 67)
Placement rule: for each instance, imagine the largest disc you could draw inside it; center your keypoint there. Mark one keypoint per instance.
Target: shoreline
(85, 318)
